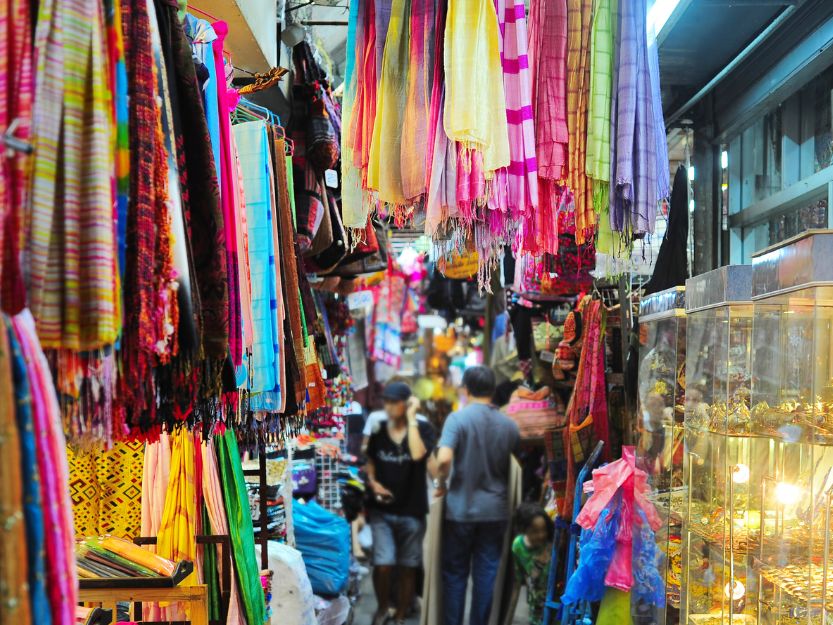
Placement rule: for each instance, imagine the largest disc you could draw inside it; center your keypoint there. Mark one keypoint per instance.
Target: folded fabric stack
(113, 558)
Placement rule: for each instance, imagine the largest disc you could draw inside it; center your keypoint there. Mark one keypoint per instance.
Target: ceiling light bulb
(787, 494)
(740, 474)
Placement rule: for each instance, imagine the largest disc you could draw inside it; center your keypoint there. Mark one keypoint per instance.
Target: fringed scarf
(634, 191)
(414, 164)
(598, 110)
(15, 106)
(515, 190)
(472, 66)
(548, 62)
(71, 238)
(579, 17)
(384, 173)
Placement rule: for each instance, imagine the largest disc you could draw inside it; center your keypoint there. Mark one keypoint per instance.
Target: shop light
(691, 174)
(740, 474)
(787, 494)
(691, 206)
(659, 13)
(734, 591)
(724, 160)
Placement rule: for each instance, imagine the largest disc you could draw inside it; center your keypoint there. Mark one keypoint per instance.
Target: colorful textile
(214, 505)
(602, 41)
(384, 171)
(54, 473)
(472, 65)
(579, 18)
(253, 149)
(71, 239)
(241, 529)
(155, 477)
(634, 158)
(31, 477)
(15, 601)
(106, 490)
(16, 86)
(516, 187)
(177, 539)
(548, 63)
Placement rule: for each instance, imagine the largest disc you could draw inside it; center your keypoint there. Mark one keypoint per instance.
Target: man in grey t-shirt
(473, 460)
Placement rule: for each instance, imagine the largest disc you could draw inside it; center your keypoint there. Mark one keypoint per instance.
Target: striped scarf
(15, 104)
(548, 62)
(516, 187)
(71, 239)
(579, 16)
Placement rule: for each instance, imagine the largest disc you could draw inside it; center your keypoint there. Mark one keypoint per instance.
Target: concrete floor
(366, 607)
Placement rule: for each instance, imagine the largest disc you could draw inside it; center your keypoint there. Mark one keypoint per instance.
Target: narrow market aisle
(365, 608)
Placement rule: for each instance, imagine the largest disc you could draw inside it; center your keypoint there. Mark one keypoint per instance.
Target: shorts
(397, 539)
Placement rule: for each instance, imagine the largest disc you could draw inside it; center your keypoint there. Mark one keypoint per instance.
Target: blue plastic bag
(596, 549)
(323, 538)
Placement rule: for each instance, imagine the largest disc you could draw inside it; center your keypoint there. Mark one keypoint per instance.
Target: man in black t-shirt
(398, 454)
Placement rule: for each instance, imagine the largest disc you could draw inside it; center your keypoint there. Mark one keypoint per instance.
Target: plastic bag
(323, 539)
(596, 550)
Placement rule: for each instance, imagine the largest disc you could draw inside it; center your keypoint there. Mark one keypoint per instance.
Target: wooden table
(196, 596)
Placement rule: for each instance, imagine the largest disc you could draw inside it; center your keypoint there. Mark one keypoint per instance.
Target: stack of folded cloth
(112, 558)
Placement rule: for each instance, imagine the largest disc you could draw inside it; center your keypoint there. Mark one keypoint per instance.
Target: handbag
(535, 412)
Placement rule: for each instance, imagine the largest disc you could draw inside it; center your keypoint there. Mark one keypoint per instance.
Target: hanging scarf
(472, 66)
(15, 606)
(199, 188)
(253, 149)
(516, 187)
(240, 525)
(352, 204)
(15, 105)
(579, 17)
(155, 477)
(71, 239)
(634, 191)
(598, 109)
(548, 63)
(384, 174)
(177, 539)
(414, 144)
(54, 475)
(32, 497)
(212, 490)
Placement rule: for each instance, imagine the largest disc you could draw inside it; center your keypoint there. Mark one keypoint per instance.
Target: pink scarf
(516, 187)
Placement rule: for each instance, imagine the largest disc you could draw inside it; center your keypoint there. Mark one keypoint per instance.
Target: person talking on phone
(398, 457)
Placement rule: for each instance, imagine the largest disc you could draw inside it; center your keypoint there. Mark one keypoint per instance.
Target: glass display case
(792, 404)
(659, 449)
(725, 462)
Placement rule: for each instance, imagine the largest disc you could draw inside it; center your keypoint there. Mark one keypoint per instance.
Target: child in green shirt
(531, 551)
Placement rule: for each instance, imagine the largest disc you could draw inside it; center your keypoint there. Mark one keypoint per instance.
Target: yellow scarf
(475, 106)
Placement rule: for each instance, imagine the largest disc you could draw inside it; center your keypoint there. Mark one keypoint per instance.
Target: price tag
(547, 356)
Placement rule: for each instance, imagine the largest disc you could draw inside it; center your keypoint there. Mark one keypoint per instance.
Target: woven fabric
(33, 512)
(579, 17)
(516, 187)
(602, 41)
(106, 490)
(54, 474)
(71, 239)
(177, 539)
(212, 489)
(16, 86)
(634, 190)
(253, 149)
(241, 529)
(472, 66)
(15, 606)
(384, 171)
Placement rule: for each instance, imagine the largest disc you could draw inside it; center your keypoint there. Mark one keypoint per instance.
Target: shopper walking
(473, 463)
(398, 454)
